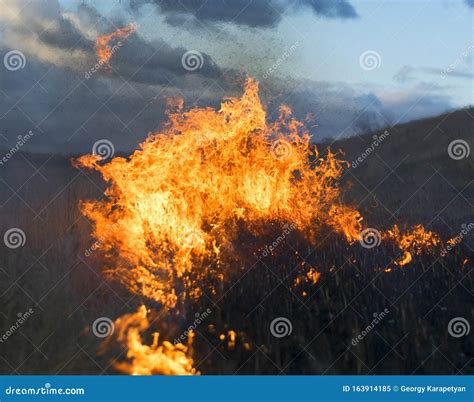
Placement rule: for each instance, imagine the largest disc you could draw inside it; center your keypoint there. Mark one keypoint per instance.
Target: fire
(415, 241)
(141, 359)
(102, 44)
(179, 200)
(178, 204)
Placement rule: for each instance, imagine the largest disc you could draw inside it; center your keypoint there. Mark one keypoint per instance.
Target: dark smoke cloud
(252, 13)
(61, 95)
(330, 8)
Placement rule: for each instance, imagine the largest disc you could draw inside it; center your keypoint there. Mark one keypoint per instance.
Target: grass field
(408, 178)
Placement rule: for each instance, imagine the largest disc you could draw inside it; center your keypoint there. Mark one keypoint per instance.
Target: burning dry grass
(142, 359)
(208, 182)
(269, 279)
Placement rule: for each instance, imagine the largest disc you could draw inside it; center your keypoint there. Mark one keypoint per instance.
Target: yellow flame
(177, 203)
(102, 44)
(143, 359)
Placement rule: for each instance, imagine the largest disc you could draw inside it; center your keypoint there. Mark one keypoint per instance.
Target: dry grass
(52, 275)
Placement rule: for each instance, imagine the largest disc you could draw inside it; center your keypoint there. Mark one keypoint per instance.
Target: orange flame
(141, 359)
(182, 196)
(102, 44)
(415, 241)
(178, 202)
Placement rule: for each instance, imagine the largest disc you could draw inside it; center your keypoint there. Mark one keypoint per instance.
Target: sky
(354, 65)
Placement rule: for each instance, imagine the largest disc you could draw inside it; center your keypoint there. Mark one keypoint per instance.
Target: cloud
(331, 8)
(470, 3)
(74, 105)
(419, 101)
(67, 40)
(252, 13)
(404, 74)
(54, 95)
(448, 72)
(40, 30)
(409, 73)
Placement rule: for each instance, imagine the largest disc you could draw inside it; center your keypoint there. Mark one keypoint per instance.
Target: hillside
(408, 175)
(409, 178)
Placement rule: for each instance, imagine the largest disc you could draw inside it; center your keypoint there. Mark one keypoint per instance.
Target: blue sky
(306, 53)
(419, 34)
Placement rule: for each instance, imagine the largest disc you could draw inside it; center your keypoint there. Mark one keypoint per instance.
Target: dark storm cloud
(253, 13)
(50, 36)
(262, 13)
(65, 36)
(62, 95)
(331, 8)
(157, 62)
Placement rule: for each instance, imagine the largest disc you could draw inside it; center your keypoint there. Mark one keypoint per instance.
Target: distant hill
(408, 175)
(407, 178)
